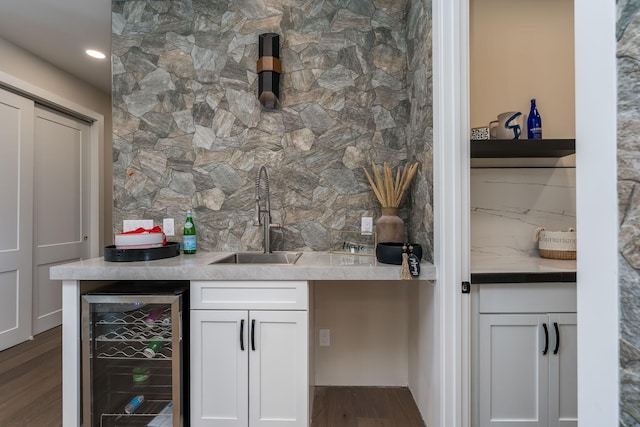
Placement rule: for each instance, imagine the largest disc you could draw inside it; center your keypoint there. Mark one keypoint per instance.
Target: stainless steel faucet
(263, 216)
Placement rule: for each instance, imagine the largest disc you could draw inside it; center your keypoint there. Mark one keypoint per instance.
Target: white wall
(30, 69)
(521, 50)
(369, 333)
(423, 350)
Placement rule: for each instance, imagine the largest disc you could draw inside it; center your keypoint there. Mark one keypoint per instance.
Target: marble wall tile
(508, 205)
(190, 134)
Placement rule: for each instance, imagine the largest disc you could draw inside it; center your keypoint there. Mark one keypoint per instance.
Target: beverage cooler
(134, 360)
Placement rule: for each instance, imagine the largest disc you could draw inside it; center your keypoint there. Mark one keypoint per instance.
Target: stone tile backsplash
(189, 132)
(628, 29)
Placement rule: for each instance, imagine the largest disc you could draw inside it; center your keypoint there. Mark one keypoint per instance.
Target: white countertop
(310, 266)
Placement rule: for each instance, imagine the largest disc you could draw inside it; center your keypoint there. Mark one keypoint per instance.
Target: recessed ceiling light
(95, 54)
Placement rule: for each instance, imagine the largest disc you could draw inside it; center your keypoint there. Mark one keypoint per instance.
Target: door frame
(451, 170)
(96, 136)
(596, 207)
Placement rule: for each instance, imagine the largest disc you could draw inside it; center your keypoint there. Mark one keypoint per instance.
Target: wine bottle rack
(134, 317)
(134, 333)
(130, 352)
(149, 410)
(125, 335)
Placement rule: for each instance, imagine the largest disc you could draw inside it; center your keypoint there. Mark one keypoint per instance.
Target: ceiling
(59, 31)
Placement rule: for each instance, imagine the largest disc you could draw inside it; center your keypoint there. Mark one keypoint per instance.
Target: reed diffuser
(389, 192)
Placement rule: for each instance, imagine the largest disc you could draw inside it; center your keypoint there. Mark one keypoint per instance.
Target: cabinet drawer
(243, 295)
(528, 298)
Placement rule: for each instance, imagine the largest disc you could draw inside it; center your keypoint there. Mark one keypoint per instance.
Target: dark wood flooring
(31, 382)
(365, 407)
(31, 393)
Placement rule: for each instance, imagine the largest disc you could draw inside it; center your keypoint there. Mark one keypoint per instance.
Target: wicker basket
(556, 244)
(546, 253)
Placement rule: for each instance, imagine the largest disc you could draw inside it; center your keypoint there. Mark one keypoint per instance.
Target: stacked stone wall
(190, 134)
(628, 60)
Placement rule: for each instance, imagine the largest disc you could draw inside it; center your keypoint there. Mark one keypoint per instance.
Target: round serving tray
(113, 254)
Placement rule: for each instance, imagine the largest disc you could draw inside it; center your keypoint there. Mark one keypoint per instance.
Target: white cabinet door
(219, 368)
(513, 373)
(249, 368)
(563, 370)
(278, 369)
(16, 218)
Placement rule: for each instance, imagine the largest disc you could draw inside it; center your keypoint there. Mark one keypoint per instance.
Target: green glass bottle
(189, 235)
(154, 346)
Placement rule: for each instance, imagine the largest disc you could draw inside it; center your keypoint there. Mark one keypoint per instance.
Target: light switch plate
(367, 225)
(132, 224)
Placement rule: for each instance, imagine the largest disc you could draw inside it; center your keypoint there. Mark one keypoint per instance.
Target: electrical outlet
(367, 225)
(168, 227)
(325, 337)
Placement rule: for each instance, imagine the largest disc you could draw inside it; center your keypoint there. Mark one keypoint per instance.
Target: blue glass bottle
(534, 122)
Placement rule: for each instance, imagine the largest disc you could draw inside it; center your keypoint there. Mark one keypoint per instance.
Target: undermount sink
(288, 258)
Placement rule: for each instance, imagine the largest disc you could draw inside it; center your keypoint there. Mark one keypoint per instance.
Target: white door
(219, 368)
(61, 207)
(563, 371)
(278, 369)
(513, 370)
(16, 221)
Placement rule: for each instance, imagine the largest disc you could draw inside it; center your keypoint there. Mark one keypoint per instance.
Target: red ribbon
(140, 230)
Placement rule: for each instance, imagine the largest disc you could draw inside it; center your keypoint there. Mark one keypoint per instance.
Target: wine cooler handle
(242, 334)
(555, 326)
(253, 334)
(546, 339)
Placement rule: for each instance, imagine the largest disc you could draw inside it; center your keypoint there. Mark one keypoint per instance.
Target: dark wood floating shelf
(510, 148)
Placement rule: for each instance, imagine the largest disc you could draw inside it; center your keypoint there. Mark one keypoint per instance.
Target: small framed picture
(480, 133)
